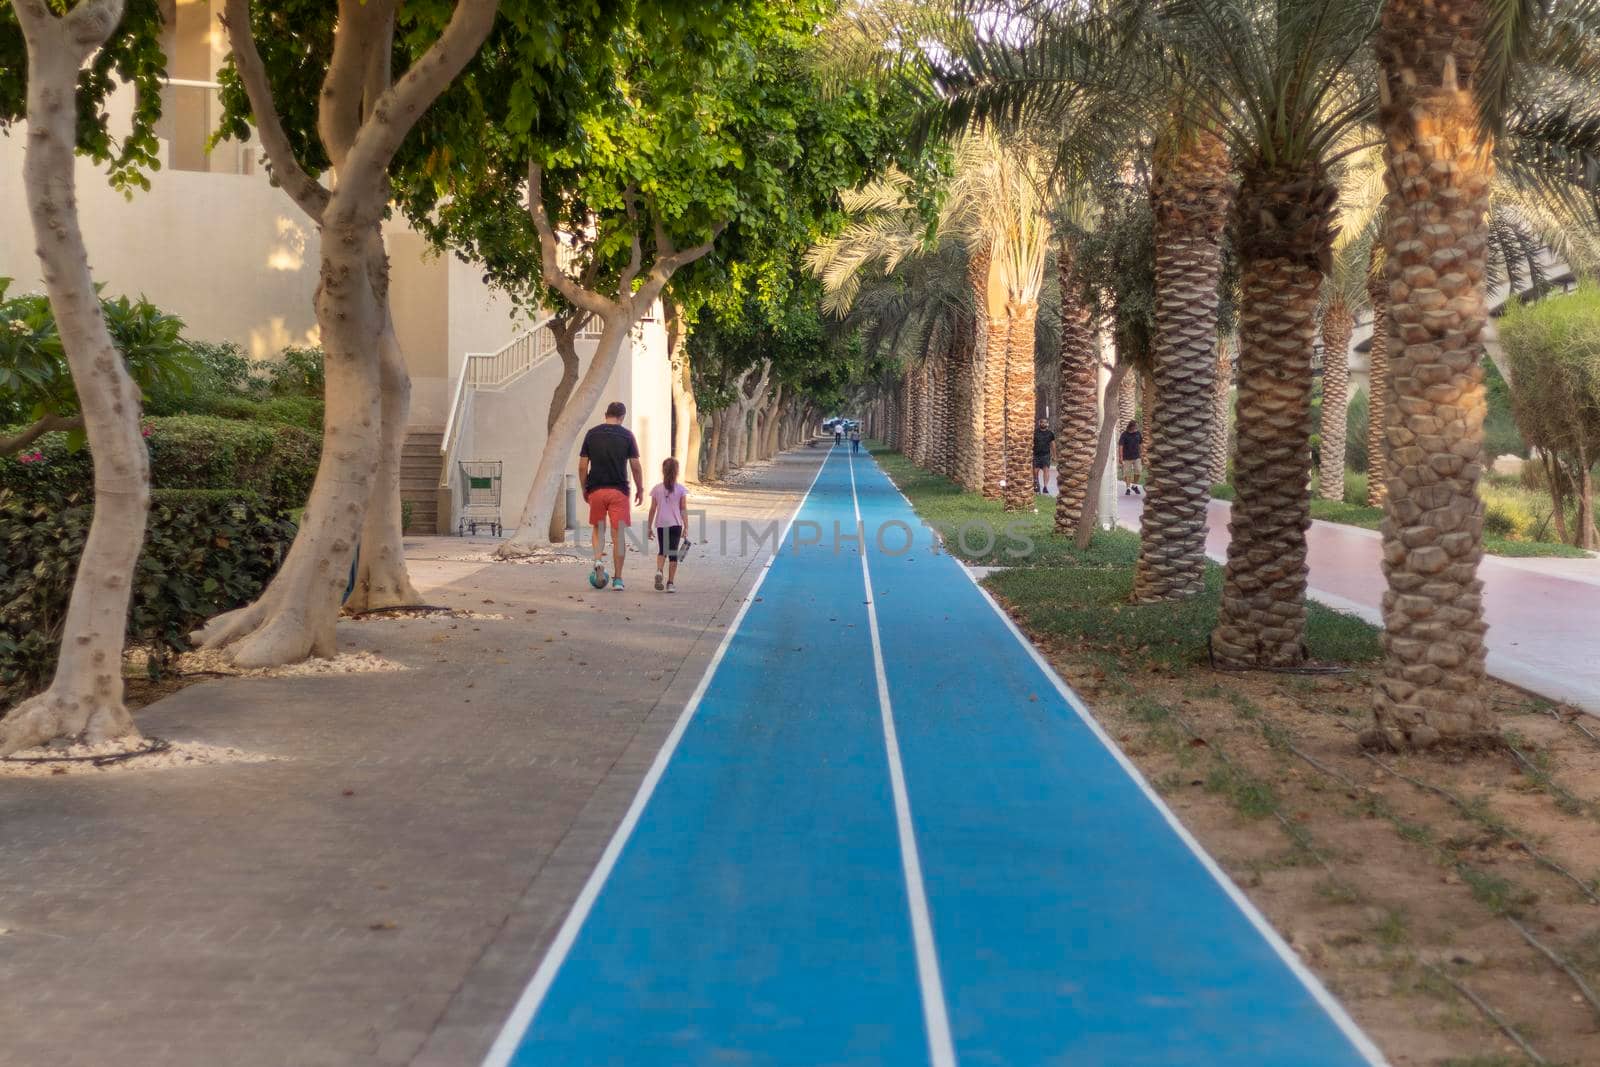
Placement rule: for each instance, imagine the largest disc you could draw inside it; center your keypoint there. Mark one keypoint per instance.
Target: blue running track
(883, 832)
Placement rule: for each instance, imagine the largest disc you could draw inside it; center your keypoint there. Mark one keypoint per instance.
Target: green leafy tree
(1554, 349)
(340, 88)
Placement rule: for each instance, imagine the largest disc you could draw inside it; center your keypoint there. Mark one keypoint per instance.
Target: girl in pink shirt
(669, 502)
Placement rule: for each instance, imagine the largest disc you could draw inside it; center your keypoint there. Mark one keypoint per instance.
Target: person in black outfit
(1043, 442)
(1128, 447)
(609, 451)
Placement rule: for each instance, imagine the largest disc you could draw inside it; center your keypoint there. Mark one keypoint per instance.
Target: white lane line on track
(516, 1027)
(1319, 993)
(935, 1013)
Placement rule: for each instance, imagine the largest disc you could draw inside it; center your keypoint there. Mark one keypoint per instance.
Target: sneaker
(616, 585)
(1139, 490)
(670, 589)
(658, 581)
(1128, 491)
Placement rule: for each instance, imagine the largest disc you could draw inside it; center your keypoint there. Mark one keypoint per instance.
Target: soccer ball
(597, 578)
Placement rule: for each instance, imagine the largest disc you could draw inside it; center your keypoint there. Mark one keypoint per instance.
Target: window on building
(196, 46)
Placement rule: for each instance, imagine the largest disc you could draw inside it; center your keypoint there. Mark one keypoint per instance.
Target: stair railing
(490, 372)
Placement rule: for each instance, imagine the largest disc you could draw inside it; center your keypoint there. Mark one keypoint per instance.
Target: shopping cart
(480, 481)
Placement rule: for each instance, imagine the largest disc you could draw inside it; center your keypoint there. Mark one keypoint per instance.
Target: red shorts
(609, 503)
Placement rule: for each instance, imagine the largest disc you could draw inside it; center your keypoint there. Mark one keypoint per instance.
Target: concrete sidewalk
(1544, 614)
(379, 893)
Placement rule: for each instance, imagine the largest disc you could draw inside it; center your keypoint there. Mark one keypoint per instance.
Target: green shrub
(296, 372)
(217, 372)
(1356, 417)
(275, 461)
(302, 411)
(1554, 349)
(1355, 487)
(1500, 433)
(205, 551)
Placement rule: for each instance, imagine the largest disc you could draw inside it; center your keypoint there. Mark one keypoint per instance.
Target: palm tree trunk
(1020, 407)
(1127, 401)
(1440, 163)
(1285, 236)
(1377, 394)
(1337, 325)
(1190, 193)
(966, 407)
(1075, 405)
(1222, 408)
(973, 440)
(996, 334)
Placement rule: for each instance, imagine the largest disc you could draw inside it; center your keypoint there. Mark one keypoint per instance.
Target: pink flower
(31, 457)
(144, 431)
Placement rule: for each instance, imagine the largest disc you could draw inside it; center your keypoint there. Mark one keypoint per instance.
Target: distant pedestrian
(838, 433)
(1129, 447)
(669, 503)
(609, 451)
(1043, 443)
(855, 439)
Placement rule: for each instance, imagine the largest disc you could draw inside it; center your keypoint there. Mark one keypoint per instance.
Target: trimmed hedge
(206, 551)
(278, 462)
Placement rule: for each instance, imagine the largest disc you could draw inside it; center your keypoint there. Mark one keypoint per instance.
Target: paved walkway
(883, 832)
(378, 893)
(1544, 614)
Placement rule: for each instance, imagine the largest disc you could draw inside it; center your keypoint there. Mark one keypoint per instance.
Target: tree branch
(549, 245)
(45, 425)
(665, 267)
(89, 25)
(636, 254)
(399, 108)
(304, 190)
(357, 34)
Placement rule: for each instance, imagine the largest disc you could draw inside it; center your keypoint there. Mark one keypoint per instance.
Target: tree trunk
(1337, 325)
(565, 328)
(1021, 407)
(714, 446)
(1222, 408)
(996, 339)
(534, 523)
(361, 131)
(1558, 503)
(1378, 395)
(382, 580)
(972, 441)
(1285, 236)
(1588, 540)
(1127, 401)
(296, 614)
(1076, 434)
(1439, 166)
(1190, 192)
(685, 410)
(1102, 453)
(84, 698)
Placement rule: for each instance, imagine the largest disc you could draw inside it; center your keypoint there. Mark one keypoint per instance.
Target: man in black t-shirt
(609, 451)
(1043, 441)
(1129, 446)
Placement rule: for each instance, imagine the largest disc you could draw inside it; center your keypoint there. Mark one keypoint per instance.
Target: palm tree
(1456, 77)
(1076, 403)
(1344, 295)
(1191, 191)
(1222, 407)
(1277, 81)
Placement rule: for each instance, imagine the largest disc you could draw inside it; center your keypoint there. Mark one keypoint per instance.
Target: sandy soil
(1395, 894)
(143, 754)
